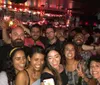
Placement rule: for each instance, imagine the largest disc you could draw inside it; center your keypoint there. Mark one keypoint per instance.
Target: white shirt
(37, 82)
(3, 78)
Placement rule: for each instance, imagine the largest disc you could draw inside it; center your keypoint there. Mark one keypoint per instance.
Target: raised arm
(25, 29)
(90, 47)
(20, 24)
(5, 36)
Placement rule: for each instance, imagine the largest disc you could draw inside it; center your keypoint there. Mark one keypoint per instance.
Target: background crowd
(34, 55)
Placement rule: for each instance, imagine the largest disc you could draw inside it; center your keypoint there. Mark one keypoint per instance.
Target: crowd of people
(50, 57)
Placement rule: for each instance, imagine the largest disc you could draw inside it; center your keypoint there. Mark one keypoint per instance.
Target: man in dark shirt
(17, 40)
(51, 37)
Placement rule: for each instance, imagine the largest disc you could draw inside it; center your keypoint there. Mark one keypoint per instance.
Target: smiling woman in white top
(16, 62)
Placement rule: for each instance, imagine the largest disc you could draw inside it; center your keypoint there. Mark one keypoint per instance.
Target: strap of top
(28, 77)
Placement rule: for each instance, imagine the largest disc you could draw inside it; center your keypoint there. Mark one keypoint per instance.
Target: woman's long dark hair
(47, 64)
(36, 49)
(9, 68)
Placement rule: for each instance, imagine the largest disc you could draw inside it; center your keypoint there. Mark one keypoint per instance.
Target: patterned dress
(73, 77)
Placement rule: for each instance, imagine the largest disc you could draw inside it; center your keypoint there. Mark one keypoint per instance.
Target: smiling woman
(16, 62)
(31, 75)
(94, 66)
(53, 73)
(77, 71)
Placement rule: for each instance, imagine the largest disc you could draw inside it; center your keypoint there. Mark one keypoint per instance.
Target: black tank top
(28, 77)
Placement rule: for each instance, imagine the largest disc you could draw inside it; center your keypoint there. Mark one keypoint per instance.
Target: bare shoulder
(47, 70)
(21, 75)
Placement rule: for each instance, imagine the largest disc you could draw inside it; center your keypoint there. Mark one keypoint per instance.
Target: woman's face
(37, 61)
(54, 59)
(95, 69)
(69, 51)
(19, 60)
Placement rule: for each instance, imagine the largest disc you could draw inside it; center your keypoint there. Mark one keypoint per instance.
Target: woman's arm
(21, 79)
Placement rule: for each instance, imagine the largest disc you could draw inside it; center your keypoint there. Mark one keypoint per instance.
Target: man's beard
(78, 44)
(35, 39)
(17, 43)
